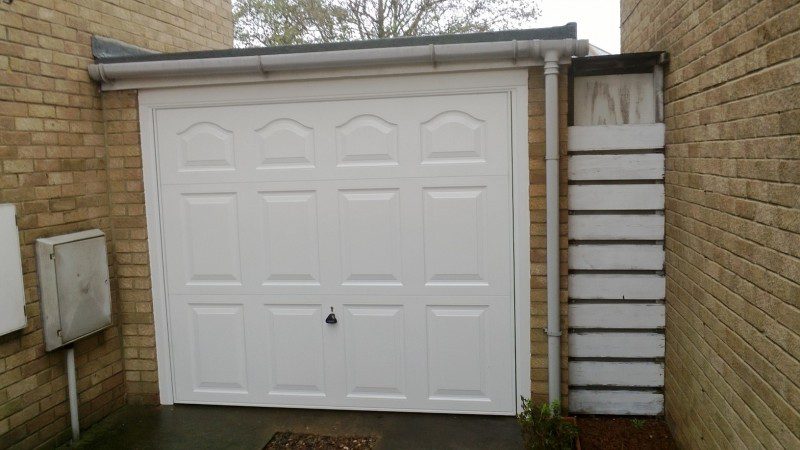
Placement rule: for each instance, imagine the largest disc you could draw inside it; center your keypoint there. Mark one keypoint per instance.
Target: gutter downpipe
(553, 329)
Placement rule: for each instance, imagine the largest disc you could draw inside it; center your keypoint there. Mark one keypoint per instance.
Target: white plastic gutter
(259, 64)
(551, 51)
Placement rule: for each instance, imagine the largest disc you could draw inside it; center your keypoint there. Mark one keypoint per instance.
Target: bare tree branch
(285, 22)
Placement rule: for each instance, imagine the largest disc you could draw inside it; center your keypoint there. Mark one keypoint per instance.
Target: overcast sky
(598, 20)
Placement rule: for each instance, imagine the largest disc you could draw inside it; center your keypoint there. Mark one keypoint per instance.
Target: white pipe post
(553, 248)
(72, 386)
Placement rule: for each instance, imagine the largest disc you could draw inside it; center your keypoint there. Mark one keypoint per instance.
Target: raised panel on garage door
(394, 213)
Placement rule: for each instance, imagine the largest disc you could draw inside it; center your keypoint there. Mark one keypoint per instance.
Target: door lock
(331, 317)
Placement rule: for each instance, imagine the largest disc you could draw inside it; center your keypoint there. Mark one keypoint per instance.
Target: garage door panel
(295, 350)
(285, 144)
(206, 146)
(370, 237)
(210, 236)
(367, 140)
(453, 137)
(410, 137)
(375, 351)
(455, 231)
(290, 238)
(394, 211)
(457, 365)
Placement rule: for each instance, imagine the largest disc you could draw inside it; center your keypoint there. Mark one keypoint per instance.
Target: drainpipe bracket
(552, 334)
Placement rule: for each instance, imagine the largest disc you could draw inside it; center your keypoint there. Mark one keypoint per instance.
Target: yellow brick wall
(732, 111)
(536, 144)
(55, 167)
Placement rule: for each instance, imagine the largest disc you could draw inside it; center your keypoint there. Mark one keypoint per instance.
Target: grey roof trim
(568, 31)
(105, 48)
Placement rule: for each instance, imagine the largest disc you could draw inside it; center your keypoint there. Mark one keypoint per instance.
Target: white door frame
(514, 82)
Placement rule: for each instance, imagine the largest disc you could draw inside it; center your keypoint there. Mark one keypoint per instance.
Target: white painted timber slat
(617, 286)
(611, 373)
(616, 257)
(616, 345)
(617, 315)
(616, 137)
(648, 166)
(635, 403)
(616, 227)
(622, 197)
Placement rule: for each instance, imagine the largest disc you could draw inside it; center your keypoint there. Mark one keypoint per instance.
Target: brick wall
(56, 168)
(536, 141)
(732, 111)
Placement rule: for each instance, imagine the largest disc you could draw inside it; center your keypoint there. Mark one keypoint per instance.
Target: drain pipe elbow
(551, 57)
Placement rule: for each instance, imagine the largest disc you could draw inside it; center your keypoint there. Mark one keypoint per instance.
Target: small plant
(638, 423)
(544, 428)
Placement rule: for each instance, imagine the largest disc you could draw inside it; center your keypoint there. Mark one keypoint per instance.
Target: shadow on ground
(230, 427)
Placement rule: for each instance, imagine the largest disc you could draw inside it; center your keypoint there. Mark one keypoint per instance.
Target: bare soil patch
(300, 441)
(624, 433)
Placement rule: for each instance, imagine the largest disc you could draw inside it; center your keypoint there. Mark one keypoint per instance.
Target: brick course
(538, 211)
(732, 111)
(63, 163)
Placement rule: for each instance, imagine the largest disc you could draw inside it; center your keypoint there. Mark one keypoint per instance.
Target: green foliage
(285, 22)
(544, 428)
(638, 423)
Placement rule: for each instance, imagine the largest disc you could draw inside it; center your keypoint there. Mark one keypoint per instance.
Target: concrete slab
(229, 427)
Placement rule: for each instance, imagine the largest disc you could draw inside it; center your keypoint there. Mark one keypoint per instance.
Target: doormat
(301, 441)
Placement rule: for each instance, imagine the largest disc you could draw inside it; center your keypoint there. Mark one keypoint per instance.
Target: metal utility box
(74, 286)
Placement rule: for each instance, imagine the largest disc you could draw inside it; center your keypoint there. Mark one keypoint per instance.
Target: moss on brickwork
(732, 111)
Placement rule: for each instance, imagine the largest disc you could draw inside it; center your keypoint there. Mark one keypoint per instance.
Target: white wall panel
(615, 373)
(620, 227)
(616, 345)
(621, 402)
(648, 166)
(616, 197)
(616, 137)
(616, 257)
(616, 315)
(12, 300)
(617, 286)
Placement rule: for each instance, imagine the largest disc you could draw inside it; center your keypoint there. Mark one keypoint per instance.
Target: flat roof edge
(567, 31)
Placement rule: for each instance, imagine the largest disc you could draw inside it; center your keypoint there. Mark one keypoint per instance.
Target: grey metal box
(74, 286)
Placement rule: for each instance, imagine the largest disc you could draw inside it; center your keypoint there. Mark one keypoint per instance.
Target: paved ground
(228, 427)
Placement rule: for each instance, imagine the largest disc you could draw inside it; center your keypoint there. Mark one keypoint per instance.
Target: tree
(287, 22)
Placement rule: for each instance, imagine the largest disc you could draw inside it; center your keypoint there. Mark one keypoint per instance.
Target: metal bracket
(548, 333)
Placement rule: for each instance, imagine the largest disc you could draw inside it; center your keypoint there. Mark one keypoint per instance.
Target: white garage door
(393, 213)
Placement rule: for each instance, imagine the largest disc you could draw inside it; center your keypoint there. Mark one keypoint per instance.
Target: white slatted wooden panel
(616, 345)
(617, 286)
(649, 166)
(616, 137)
(616, 257)
(622, 197)
(616, 315)
(635, 403)
(614, 99)
(612, 373)
(616, 227)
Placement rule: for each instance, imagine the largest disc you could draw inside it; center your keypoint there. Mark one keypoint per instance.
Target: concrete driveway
(228, 427)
